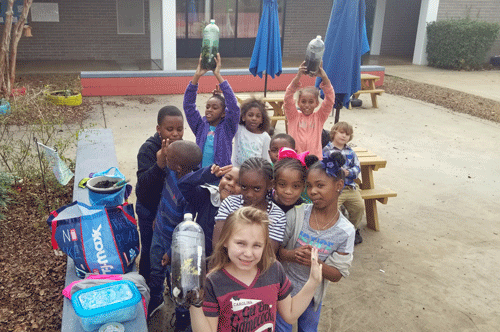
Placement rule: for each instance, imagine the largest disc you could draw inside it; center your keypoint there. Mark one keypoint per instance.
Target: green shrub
(6, 192)
(460, 43)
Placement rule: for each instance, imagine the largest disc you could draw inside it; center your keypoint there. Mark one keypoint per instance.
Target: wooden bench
(368, 86)
(371, 196)
(371, 193)
(95, 152)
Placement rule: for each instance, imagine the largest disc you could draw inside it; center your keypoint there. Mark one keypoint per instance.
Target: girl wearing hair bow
(318, 225)
(290, 177)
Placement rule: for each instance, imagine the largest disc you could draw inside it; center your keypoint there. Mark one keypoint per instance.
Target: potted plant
(66, 97)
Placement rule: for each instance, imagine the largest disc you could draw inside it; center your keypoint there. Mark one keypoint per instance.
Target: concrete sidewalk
(434, 264)
(485, 83)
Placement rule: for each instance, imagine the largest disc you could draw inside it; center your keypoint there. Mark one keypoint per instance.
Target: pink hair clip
(285, 152)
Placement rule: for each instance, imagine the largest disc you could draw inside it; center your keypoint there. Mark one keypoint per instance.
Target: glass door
(238, 22)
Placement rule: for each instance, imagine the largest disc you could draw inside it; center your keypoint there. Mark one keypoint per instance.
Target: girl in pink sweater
(305, 125)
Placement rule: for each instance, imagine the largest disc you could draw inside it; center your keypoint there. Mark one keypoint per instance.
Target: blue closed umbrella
(266, 54)
(345, 42)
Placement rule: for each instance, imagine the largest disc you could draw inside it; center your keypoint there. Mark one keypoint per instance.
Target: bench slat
(95, 152)
(377, 91)
(377, 193)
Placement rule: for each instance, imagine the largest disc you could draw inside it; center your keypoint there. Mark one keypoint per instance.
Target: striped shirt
(277, 217)
(246, 308)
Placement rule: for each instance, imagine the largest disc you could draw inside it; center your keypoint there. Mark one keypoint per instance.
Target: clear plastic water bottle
(210, 46)
(188, 263)
(314, 54)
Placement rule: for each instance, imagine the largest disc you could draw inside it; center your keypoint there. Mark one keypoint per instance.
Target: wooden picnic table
(368, 86)
(275, 101)
(370, 192)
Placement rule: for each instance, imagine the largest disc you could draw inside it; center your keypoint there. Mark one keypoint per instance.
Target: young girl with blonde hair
(246, 286)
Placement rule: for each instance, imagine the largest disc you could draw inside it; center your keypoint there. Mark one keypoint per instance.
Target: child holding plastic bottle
(151, 161)
(341, 134)
(205, 198)
(304, 124)
(252, 138)
(181, 158)
(215, 131)
(246, 284)
(318, 226)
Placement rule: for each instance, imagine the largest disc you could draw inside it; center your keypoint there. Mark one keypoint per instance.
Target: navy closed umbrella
(266, 55)
(345, 42)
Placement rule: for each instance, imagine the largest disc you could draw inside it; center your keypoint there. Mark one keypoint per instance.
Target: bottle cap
(188, 216)
(318, 37)
(212, 21)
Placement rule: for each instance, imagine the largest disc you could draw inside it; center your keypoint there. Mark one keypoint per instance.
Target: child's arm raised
(199, 72)
(327, 104)
(289, 105)
(193, 116)
(292, 307)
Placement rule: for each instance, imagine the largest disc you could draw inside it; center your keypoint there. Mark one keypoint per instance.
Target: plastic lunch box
(112, 302)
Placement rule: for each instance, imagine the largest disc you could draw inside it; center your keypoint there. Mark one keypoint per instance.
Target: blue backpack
(101, 240)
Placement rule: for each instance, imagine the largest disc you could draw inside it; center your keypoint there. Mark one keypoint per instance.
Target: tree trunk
(18, 32)
(4, 50)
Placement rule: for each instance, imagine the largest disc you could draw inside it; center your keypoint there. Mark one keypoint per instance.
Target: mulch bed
(32, 277)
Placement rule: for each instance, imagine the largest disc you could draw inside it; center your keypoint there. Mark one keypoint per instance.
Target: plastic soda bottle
(188, 263)
(314, 54)
(210, 46)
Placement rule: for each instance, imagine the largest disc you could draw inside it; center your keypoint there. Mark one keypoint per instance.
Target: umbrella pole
(337, 112)
(265, 85)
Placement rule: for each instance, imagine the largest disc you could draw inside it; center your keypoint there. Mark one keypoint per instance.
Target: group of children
(271, 255)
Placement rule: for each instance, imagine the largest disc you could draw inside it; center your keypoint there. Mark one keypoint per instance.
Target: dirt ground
(434, 264)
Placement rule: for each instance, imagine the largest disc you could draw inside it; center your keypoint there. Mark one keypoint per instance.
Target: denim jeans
(145, 219)
(307, 322)
(159, 273)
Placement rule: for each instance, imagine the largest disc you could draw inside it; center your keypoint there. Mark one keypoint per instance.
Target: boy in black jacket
(151, 161)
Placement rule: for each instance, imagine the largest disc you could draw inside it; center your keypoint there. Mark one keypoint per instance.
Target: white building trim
(378, 27)
(428, 14)
(169, 41)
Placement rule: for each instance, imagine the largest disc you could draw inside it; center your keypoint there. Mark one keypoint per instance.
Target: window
(130, 16)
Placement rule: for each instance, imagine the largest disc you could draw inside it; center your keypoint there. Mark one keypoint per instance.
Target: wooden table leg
(372, 214)
(374, 100)
(367, 178)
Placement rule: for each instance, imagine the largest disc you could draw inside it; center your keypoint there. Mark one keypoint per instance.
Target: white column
(155, 28)
(428, 13)
(169, 42)
(378, 27)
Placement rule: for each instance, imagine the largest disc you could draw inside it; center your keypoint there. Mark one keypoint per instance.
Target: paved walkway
(434, 264)
(484, 83)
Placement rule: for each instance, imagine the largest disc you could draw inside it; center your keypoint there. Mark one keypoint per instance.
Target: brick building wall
(485, 10)
(87, 30)
(304, 20)
(400, 27)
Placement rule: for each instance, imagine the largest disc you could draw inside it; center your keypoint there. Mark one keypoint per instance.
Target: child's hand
(302, 69)
(217, 64)
(220, 171)
(303, 255)
(165, 260)
(199, 70)
(316, 273)
(346, 172)
(161, 155)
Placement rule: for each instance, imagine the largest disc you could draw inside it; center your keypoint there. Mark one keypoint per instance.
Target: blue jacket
(171, 209)
(204, 199)
(225, 130)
